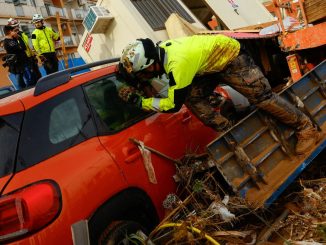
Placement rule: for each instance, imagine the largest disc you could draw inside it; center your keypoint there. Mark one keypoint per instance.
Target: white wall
(7, 9)
(127, 25)
(240, 13)
(29, 10)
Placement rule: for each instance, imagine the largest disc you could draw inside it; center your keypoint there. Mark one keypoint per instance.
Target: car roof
(28, 98)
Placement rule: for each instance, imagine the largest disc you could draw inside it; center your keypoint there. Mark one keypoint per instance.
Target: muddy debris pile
(205, 211)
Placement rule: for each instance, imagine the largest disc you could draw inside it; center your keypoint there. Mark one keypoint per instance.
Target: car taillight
(28, 209)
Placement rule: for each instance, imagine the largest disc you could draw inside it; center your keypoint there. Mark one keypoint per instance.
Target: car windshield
(9, 134)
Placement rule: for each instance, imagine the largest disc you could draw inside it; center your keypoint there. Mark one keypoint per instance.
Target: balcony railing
(78, 14)
(68, 41)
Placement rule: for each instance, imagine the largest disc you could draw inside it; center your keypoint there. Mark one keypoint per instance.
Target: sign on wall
(87, 42)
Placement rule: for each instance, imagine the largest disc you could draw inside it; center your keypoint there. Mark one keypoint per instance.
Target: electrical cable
(193, 229)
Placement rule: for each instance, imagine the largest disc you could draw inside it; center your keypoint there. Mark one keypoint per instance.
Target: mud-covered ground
(206, 213)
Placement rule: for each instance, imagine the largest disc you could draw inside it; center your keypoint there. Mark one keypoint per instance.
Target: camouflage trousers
(244, 76)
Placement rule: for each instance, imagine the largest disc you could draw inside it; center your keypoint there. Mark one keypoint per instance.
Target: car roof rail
(61, 77)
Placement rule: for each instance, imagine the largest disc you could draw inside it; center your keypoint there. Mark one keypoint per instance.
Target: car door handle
(186, 117)
(133, 157)
(133, 154)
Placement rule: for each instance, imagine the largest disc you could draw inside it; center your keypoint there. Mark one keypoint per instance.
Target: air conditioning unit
(79, 16)
(97, 19)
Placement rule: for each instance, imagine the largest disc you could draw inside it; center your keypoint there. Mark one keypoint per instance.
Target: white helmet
(13, 22)
(37, 18)
(133, 57)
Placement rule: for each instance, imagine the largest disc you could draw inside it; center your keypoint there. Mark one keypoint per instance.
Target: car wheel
(122, 233)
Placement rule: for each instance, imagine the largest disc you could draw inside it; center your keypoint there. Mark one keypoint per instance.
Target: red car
(67, 166)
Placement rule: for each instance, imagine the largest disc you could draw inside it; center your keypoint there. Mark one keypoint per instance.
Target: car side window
(112, 113)
(54, 126)
(9, 134)
(65, 122)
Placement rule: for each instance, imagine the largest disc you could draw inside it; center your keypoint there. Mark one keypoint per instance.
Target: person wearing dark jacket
(17, 58)
(32, 74)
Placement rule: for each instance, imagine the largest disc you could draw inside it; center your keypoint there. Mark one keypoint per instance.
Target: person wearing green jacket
(43, 39)
(186, 60)
(32, 74)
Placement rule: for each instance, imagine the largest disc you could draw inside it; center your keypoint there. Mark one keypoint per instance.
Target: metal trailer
(256, 157)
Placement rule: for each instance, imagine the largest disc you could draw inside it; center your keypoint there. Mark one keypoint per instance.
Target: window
(156, 12)
(9, 134)
(1, 31)
(19, 10)
(65, 122)
(111, 112)
(54, 126)
(33, 3)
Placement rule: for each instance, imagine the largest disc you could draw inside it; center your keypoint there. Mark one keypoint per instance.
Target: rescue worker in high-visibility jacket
(33, 73)
(43, 39)
(185, 61)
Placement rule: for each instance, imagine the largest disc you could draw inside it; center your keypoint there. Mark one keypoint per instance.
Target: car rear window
(9, 135)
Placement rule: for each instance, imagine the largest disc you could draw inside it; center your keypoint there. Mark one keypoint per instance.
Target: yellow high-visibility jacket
(189, 56)
(43, 40)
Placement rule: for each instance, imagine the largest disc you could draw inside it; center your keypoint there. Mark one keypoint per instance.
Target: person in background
(32, 73)
(16, 58)
(43, 39)
(187, 60)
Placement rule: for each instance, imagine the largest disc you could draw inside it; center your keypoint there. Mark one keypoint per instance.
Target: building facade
(64, 16)
(126, 20)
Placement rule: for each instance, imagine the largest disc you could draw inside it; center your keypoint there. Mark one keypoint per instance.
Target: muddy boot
(220, 123)
(307, 138)
(287, 113)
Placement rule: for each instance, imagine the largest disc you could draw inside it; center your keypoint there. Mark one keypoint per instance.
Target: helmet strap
(158, 69)
(161, 53)
(150, 50)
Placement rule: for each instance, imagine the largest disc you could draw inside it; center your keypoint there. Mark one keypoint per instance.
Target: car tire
(118, 233)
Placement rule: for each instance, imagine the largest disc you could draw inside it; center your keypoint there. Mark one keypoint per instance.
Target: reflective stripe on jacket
(43, 40)
(190, 56)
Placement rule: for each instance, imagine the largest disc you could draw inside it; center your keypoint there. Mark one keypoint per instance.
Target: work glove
(129, 95)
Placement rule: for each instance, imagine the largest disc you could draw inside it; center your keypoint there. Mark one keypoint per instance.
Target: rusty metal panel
(256, 157)
(310, 37)
(257, 141)
(311, 90)
(320, 72)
